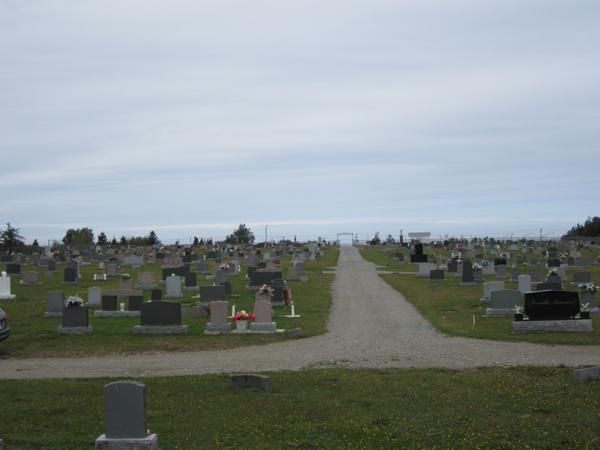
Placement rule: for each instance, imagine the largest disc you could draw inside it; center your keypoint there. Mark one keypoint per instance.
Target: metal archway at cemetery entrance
(346, 234)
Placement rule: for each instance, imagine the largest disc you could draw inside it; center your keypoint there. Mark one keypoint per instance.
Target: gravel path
(371, 325)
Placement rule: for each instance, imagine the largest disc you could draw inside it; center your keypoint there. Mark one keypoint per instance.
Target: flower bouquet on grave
(242, 315)
(476, 267)
(485, 263)
(74, 302)
(224, 266)
(265, 289)
(588, 287)
(553, 272)
(125, 276)
(3, 274)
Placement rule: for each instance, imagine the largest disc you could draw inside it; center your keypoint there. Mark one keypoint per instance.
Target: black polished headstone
(109, 303)
(452, 266)
(418, 256)
(468, 272)
(551, 305)
(74, 316)
(212, 293)
(549, 286)
(227, 287)
(554, 263)
(190, 279)
(160, 313)
(125, 415)
(178, 271)
(70, 275)
(135, 302)
(156, 294)
(437, 274)
(260, 278)
(499, 261)
(13, 269)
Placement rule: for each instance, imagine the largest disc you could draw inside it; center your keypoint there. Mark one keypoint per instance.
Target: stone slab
(252, 381)
(574, 325)
(581, 375)
(181, 329)
(74, 330)
(148, 443)
(499, 312)
(270, 327)
(220, 327)
(52, 315)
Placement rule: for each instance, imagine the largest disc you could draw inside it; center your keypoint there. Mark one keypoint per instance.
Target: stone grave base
(573, 325)
(270, 327)
(22, 283)
(52, 315)
(252, 288)
(7, 297)
(485, 301)
(219, 327)
(174, 296)
(191, 288)
(304, 279)
(213, 333)
(169, 329)
(437, 281)
(148, 443)
(292, 279)
(499, 312)
(502, 277)
(99, 278)
(594, 311)
(581, 375)
(74, 330)
(145, 287)
(290, 316)
(210, 277)
(117, 313)
(197, 311)
(69, 283)
(468, 284)
(93, 305)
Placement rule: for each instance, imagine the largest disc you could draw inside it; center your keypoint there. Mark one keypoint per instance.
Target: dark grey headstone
(160, 313)
(452, 266)
(70, 275)
(156, 294)
(109, 303)
(467, 272)
(56, 300)
(551, 304)
(582, 277)
(260, 278)
(190, 279)
(436, 275)
(51, 266)
(74, 316)
(227, 288)
(13, 269)
(506, 299)
(554, 263)
(212, 293)
(135, 302)
(549, 286)
(125, 414)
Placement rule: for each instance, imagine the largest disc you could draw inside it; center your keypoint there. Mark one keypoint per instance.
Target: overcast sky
(190, 117)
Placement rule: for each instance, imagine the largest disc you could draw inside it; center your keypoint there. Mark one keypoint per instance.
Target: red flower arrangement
(243, 316)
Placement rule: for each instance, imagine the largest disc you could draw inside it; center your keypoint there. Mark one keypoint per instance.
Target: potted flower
(264, 292)
(587, 294)
(477, 272)
(224, 267)
(241, 319)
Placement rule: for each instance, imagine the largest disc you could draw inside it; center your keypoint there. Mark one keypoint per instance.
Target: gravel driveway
(371, 325)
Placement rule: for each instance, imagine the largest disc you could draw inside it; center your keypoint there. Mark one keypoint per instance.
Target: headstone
(74, 317)
(490, 287)
(56, 300)
(174, 287)
(70, 276)
(135, 302)
(13, 269)
(221, 277)
(94, 297)
(501, 271)
(535, 275)
(51, 266)
(160, 313)
(211, 294)
(292, 274)
(504, 302)
(549, 287)
(109, 303)
(264, 317)
(145, 281)
(467, 276)
(218, 318)
(73, 264)
(202, 268)
(551, 305)
(227, 288)
(30, 279)
(425, 268)
(436, 275)
(452, 267)
(582, 277)
(524, 284)
(418, 256)
(126, 418)
(156, 294)
(190, 280)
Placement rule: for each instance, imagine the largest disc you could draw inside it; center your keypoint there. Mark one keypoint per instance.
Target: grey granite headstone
(56, 300)
(160, 313)
(94, 296)
(125, 414)
(437, 275)
(582, 277)
(70, 275)
(524, 283)
(506, 299)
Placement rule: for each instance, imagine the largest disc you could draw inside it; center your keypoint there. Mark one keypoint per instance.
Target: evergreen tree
(102, 239)
(11, 237)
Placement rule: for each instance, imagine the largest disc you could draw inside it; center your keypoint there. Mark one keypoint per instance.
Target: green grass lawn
(32, 335)
(500, 408)
(450, 307)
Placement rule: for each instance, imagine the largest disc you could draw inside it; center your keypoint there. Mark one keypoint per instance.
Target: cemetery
(118, 318)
